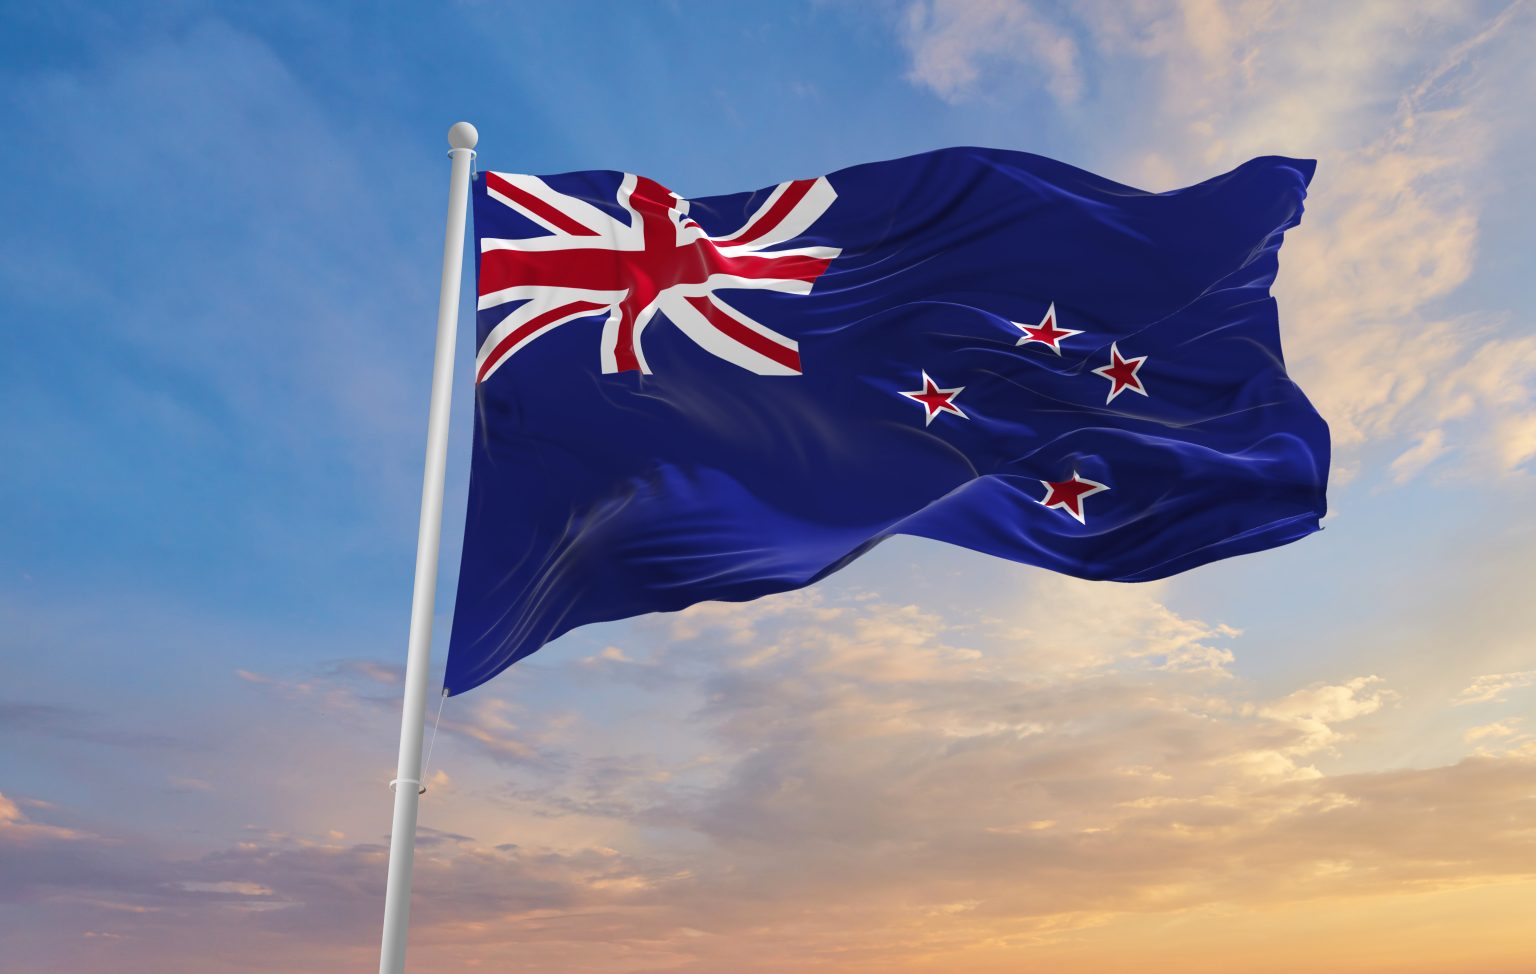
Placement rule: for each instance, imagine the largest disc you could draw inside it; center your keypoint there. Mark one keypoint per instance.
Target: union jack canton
(655, 258)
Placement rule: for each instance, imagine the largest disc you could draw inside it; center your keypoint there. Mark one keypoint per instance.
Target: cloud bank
(865, 786)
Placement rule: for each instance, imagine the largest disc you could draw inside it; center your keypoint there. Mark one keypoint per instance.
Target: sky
(220, 232)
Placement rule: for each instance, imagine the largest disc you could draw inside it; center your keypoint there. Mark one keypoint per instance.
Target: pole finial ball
(463, 136)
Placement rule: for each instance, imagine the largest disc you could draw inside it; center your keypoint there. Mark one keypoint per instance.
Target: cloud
(886, 785)
(1498, 731)
(854, 784)
(75, 724)
(492, 725)
(1314, 713)
(1413, 460)
(738, 623)
(385, 674)
(1091, 626)
(882, 795)
(290, 902)
(362, 691)
(1493, 686)
(17, 829)
(954, 44)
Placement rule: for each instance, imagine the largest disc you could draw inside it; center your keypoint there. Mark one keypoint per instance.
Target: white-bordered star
(1121, 373)
(935, 400)
(1067, 495)
(1047, 333)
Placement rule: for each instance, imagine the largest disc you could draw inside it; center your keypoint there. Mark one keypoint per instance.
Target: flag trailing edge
(724, 397)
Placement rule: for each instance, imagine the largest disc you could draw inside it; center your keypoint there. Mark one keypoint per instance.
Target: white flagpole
(407, 784)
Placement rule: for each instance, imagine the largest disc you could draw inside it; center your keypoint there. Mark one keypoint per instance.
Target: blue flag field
(681, 400)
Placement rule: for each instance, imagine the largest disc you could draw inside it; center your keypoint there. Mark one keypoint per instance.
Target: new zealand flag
(724, 397)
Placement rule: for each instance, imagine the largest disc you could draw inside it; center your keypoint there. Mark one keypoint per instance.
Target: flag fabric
(680, 400)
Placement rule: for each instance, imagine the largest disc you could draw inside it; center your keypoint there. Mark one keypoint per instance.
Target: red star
(1121, 372)
(936, 400)
(1046, 333)
(1067, 495)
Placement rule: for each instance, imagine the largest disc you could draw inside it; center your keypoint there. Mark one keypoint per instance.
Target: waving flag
(729, 396)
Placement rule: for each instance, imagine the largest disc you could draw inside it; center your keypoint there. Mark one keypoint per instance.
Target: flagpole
(407, 784)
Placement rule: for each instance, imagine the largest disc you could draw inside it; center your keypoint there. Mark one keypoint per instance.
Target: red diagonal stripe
(772, 267)
(792, 195)
(530, 326)
(549, 214)
(742, 335)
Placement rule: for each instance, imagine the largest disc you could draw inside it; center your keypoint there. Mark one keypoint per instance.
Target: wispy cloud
(1499, 731)
(956, 44)
(1493, 687)
(76, 724)
(18, 829)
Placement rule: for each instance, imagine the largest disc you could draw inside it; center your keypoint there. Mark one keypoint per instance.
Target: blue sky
(218, 269)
